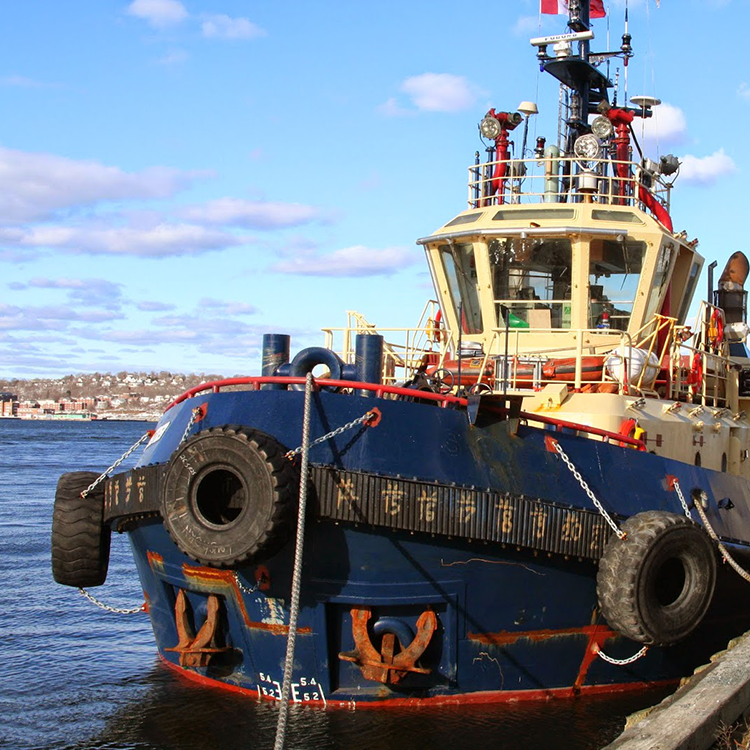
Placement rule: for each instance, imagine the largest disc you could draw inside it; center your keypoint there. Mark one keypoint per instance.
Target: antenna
(626, 48)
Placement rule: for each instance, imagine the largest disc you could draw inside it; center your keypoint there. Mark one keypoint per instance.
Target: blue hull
(511, 620)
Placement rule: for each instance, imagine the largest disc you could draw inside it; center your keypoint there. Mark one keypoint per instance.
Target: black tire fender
(230, 496)
(655, 585)
(80, 538)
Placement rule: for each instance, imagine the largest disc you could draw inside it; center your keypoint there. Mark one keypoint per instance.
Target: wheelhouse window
(661, 277)
(531, 280)
(460, 268)
(614, 272)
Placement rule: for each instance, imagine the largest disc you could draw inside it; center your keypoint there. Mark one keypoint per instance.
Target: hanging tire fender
(80, 538)
(230, 496)
(655, 585)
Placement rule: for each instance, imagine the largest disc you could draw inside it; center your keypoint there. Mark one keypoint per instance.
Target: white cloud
(526, 25)
(350, 261)
(155, 306)
(158, 13)
(391, 108)
(175, 57)
(706, 170)
(254, 214)
(743, 90)
(667, 127)
(48, 317)
(440, 92)
(159, 241)
(228, 308)
(35, 185)
(224, 27)
(20, 81)
(90, 291)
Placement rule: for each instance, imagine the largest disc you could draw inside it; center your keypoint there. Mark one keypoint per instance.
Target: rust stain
(505, 637)
(209, 575)
(598, 636)
(212, 576)
(155, 560)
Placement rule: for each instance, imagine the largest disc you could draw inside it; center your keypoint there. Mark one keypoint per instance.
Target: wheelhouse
(521, 271)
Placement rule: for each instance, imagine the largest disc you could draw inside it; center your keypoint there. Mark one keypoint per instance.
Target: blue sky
(178, 178)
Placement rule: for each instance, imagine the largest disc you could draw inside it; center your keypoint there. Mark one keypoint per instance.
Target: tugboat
(539, 490)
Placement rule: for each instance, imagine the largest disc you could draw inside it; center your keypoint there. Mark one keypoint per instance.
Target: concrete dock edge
(691, 718)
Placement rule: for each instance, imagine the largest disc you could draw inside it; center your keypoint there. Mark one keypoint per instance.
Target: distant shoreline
(78, 420)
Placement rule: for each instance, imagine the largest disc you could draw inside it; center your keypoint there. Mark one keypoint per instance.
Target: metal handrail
(611, 188)
(382, 390)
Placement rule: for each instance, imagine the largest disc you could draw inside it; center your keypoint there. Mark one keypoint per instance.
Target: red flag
(561, 6)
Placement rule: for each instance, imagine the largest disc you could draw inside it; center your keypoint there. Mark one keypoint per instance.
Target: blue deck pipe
(369, 360)
(275, 354)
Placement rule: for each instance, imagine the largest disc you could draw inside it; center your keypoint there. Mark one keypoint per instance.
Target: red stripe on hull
(489, 696)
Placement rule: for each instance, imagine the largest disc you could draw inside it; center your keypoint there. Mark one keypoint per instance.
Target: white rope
(297, 576)
(724, 551)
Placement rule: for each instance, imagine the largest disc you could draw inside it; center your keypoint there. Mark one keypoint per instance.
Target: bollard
(369, 360)
(275, 354)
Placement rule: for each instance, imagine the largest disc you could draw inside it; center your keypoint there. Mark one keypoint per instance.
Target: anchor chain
(621, 662)
(106, 473)
(194, 414)
(108, 608)
(366, 417)
(245, 589)
(685, 507)
(587, 490)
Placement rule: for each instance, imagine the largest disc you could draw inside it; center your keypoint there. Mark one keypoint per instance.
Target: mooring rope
(297, 576)
(722, 549)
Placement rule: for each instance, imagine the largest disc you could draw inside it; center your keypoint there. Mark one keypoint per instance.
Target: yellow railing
(404, 349)
(699, 360)
(662, 359)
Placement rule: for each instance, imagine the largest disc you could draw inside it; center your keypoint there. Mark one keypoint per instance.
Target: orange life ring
(695, 376)
(716, 328)
(438, 332)
(627, 429)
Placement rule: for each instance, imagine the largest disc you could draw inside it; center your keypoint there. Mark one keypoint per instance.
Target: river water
(77, 677)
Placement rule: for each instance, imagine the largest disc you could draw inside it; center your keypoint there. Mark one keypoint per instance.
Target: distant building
(8, 405)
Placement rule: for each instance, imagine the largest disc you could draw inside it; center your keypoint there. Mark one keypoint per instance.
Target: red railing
(442, 399)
